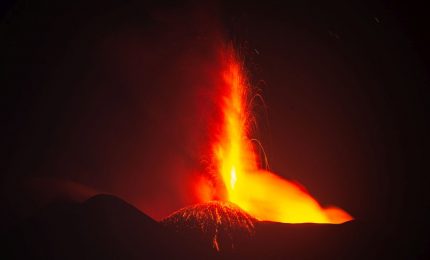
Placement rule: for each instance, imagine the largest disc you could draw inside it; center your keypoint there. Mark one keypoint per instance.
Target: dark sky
(117, 97)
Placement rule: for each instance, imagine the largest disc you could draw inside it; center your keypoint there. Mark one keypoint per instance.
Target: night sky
(118, 97)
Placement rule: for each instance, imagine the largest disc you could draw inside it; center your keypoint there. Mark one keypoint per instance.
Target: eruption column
(261, 193)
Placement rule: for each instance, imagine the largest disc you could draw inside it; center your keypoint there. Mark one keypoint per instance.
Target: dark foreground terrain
(105, 227)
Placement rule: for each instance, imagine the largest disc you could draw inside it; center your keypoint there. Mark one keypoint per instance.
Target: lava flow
(261, 193)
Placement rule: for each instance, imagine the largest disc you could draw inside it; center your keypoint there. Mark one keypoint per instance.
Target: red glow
(261, 193)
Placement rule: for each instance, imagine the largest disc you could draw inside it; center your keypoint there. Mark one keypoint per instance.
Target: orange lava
(259, 192)
(222, 223)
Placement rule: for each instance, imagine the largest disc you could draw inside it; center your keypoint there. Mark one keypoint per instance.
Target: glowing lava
(259, 192)
(222, 224)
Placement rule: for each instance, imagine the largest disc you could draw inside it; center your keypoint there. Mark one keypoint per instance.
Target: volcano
(220, 224)
(107, 227)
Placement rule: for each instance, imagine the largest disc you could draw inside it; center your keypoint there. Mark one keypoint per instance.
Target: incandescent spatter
(219, 224)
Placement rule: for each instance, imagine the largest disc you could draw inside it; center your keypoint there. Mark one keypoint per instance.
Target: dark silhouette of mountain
(106, 227)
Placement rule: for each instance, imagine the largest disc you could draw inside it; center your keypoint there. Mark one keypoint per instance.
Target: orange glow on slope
(261, 193)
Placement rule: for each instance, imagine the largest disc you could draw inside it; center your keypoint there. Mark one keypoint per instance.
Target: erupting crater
(220, 223)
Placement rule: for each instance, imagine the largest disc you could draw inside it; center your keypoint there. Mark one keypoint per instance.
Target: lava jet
(246, 193)
(238, 172)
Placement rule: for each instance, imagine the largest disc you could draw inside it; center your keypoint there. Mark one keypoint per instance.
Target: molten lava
(259, 192)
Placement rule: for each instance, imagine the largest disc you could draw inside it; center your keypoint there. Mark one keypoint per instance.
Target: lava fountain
(245, 192)
(261, 193)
